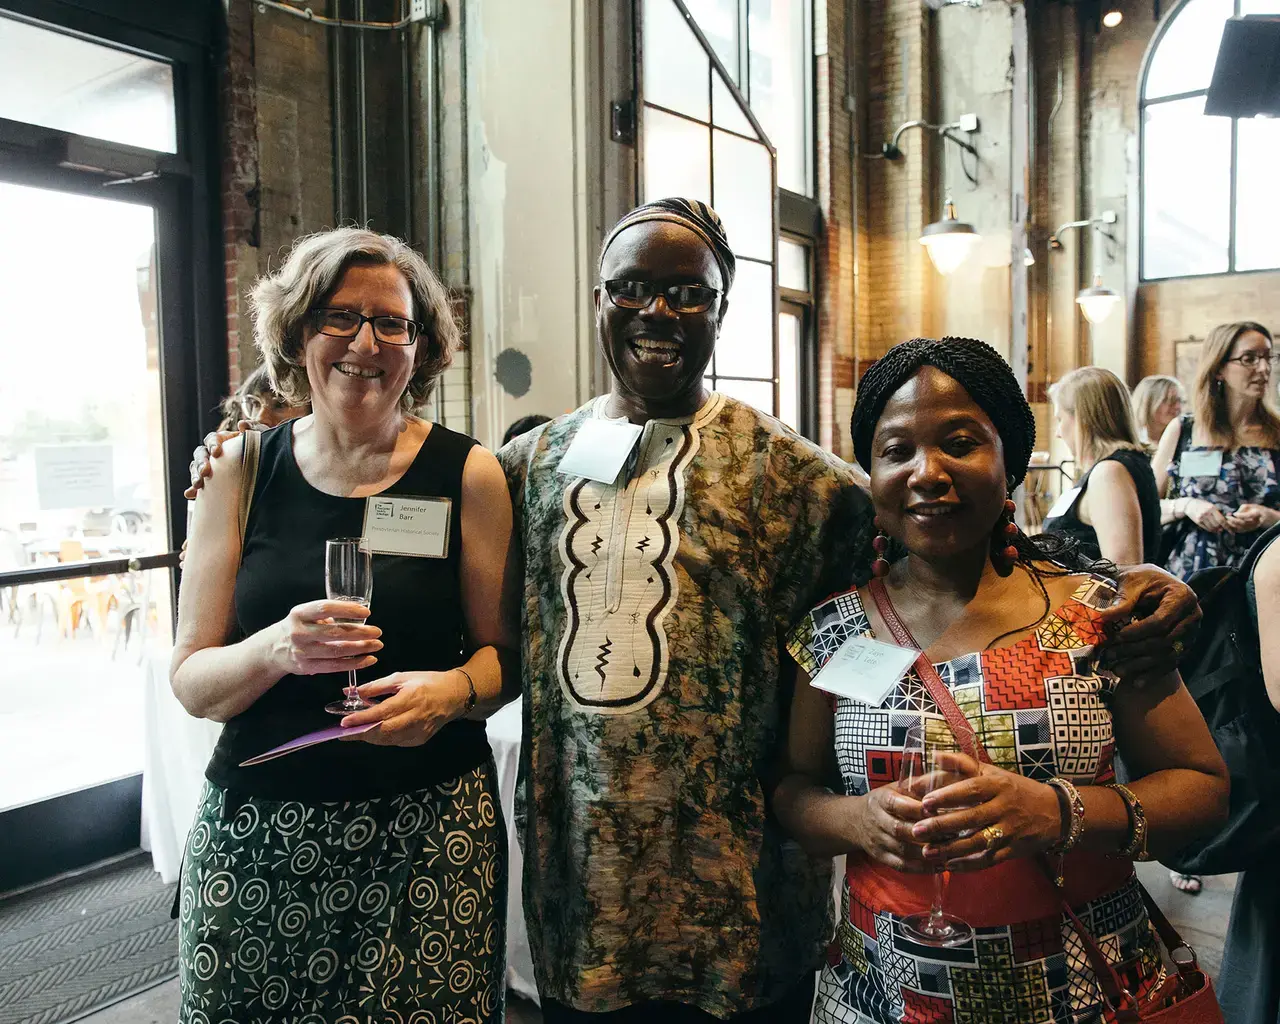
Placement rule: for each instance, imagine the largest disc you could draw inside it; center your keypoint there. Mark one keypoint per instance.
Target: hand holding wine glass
(929, 764)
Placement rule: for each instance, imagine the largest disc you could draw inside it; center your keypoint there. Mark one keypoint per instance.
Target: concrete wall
(529, 264)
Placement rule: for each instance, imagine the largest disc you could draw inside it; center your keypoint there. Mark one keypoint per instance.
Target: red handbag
(1188, 992)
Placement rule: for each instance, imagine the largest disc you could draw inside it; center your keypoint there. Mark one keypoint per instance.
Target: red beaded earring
(880, 544)
(1004, 554)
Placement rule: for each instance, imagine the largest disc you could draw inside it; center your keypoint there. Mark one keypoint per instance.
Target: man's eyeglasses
(1251, 359)
(680, 298)
(344, 323)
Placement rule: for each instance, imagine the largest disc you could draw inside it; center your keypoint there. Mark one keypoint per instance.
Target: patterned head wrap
(979, 369)
(688, 213)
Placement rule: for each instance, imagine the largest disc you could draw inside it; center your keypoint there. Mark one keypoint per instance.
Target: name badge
(600, 450)
(403, 525)
(1200, 464)
(1063, 505)
(865, 670)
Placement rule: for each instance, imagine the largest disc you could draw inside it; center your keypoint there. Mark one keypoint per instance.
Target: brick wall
(239, 175)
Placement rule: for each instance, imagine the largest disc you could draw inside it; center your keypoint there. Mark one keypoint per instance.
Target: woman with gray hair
(366, 878)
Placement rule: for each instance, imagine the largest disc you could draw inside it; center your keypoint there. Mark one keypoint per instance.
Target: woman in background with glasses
(367, 879)
(1219, 469)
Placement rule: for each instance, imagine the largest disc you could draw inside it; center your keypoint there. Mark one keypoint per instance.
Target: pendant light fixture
(1097, 301)
(949, 241)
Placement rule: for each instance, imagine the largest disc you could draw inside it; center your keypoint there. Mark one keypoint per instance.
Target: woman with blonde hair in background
(1157, 402)
(1113, 512)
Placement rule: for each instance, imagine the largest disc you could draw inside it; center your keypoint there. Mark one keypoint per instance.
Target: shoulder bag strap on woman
(1118, 997)
(249, 455)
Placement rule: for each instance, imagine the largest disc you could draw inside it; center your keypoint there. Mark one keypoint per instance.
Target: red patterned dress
(1039, 706)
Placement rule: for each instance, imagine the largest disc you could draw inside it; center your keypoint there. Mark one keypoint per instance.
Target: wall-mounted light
(1028, 258)
(949, 241)
(1097, 301)
(1113, 17)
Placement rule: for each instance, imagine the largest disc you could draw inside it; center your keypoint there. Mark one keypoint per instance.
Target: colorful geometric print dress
(1039, 707)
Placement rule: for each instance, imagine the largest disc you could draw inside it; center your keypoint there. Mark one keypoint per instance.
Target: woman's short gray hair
(312, 271)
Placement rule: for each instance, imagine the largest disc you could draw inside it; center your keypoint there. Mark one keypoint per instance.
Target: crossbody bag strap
(961, 728)
(1120, 999)
(249, 457)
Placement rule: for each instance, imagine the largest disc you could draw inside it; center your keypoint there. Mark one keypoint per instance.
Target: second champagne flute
(924, 769)
(348, 576)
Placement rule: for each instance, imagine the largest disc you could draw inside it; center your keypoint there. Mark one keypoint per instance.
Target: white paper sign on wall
(74, 476)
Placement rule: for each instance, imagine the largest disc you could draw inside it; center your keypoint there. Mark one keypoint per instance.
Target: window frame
(1233, 184)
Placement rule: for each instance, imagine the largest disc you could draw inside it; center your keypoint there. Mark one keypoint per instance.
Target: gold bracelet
(1069, 797)
(1136, 848)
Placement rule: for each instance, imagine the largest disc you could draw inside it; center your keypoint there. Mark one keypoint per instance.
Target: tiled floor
(1201, 919)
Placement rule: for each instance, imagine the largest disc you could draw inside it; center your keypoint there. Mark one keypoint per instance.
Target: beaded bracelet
(1136, 848)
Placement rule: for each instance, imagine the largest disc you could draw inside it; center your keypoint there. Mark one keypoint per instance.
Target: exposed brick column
(239, 176)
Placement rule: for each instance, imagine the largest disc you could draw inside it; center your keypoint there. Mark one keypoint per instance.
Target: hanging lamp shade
(949, 241)
(1097, 302)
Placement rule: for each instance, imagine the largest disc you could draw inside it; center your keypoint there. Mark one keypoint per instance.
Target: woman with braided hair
(1010, 688)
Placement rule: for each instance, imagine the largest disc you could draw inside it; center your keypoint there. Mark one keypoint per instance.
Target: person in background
(1113, 512)
(523, 426)
(1249, 979)
(1157, 402)
(256, 403)
(360, 879)
(945, 432)
(1218, 470)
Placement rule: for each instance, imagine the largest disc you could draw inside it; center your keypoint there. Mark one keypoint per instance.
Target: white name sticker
(600, 450)
(1200, 464)
(402, 525)
(865, 670)
(1063, 505)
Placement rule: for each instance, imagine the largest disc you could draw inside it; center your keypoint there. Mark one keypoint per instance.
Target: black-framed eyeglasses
(1251, 359)
(680, 298)
(346, 323)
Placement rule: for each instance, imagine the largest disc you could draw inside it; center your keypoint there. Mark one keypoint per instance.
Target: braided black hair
(990, 382)
(977, 367)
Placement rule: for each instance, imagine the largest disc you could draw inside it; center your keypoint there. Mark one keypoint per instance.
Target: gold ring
(1178, 648)
(991, 834)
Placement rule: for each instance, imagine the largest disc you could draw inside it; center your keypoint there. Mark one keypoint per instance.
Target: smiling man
(652, 609)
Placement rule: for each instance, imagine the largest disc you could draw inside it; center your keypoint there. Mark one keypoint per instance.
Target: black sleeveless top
(417, 602)
(1148, 501)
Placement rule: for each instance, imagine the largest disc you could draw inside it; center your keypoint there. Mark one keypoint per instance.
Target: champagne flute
(926, 768)
(348, 576)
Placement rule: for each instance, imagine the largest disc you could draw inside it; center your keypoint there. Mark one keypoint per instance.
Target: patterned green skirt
(384, 911)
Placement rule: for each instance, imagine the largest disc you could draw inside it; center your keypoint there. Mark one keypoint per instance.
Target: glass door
(112, 348)
(81, 482)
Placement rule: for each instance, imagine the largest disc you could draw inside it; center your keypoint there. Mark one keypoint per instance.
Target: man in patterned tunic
(652, 612)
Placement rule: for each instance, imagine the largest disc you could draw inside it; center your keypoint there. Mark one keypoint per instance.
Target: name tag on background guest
(403, 525)
(1063, 505)
(865, 670)
(600, 449)
(1200, 464)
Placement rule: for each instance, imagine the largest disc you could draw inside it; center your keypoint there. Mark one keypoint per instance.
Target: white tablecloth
(504, 737)
(178, 747)
(175, 751)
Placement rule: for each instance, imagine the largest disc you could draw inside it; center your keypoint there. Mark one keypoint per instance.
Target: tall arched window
(1208, 183)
